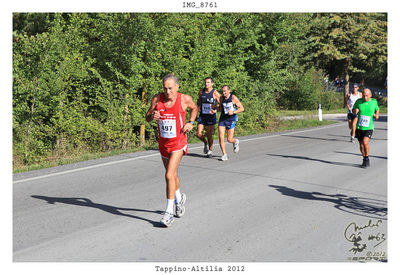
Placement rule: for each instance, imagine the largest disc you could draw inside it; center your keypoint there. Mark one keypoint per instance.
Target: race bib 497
(167, 128)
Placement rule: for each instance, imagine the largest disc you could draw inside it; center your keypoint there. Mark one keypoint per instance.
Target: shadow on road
(319, 160)
(346, 138)
(365, 207)
(196, 155)
(339, 136)
(359, 154)
(107, 208)
(317, 138)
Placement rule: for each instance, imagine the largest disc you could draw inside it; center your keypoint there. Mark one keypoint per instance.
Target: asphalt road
(297, 196)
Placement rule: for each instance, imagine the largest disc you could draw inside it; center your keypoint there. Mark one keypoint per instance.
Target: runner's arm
(189, 103)
(236, 101)
(217, 97)
(152, 113)
(347, 100)
(376, 115)
(199, 101)
(355, 120)
(355, 107)
(216, 107)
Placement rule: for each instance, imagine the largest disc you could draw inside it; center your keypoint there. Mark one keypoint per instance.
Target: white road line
(85, 168)
(157, 154)
(295, 132)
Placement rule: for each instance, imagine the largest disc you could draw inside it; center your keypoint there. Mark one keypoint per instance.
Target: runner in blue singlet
(229, 107)
(207, 104)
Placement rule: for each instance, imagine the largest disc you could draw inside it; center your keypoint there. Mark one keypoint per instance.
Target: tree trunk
(126, 111)
(346, 80)
(28, 128)
(142, 127)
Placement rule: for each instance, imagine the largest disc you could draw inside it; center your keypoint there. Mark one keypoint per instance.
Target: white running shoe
(352, 139)
(209, 154)
(167, 219)
(205, 150)
(236, 146)
(224, 157)
(179, 207)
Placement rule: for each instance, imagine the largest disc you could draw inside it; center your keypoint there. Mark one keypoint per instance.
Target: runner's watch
(191, 122)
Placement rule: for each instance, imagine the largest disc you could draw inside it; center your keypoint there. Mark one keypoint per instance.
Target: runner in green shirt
(366, 109)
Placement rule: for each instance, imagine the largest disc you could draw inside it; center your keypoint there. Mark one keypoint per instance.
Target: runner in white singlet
(350, 100)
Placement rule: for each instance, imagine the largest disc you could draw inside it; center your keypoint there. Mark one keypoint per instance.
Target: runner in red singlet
(170, 125)
(169, 110)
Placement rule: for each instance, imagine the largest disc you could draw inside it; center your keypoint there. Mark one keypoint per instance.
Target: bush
(382, 101)
(29, 146)
(331, 100)
(304, 92)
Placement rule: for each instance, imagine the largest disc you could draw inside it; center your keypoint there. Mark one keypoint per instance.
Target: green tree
(83, 81)
(32, 23)
(355, 41)
(117, 48)
(49, 77)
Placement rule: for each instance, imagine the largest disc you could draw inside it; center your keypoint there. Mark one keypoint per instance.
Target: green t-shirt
(366, 113)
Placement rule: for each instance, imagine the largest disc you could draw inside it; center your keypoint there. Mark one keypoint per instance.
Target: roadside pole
(319, 112)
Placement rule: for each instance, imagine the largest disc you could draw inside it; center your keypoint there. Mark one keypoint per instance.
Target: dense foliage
(83, 81)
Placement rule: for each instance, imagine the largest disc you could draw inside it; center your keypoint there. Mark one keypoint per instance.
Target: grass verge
(277, 126)
(279, 113)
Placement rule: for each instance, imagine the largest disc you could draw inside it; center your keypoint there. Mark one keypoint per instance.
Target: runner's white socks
(171, 203)
(170, 206)
(178, 196)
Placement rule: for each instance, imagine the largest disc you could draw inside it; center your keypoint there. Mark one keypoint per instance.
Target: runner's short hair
(212, 80)
(171, 76)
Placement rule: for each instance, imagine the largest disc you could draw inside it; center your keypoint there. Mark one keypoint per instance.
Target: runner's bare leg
(171, 173)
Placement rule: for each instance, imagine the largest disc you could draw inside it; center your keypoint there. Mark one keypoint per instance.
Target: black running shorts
(360, 134)
(351, 116)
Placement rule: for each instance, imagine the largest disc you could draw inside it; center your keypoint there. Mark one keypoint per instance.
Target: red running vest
(171, 123)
